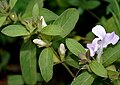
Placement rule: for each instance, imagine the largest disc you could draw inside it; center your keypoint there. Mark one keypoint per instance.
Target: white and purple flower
(103, 40)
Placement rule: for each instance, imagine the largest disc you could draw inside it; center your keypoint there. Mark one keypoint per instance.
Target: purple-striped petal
(110, 38)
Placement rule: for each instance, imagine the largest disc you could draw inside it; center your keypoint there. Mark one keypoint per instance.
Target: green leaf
(15, 80)
(48, 15)
(91, 4)
(28, 62)
(111, 54)
(35, 11)
(74, 2)
(63, 3)
(84, 78)
(28, 12)
(39, 77)
(2, 20)
(113, 75)
(98, 69)
(67, 20)
(52, 30)
(70, 61)
(12, 3)
(15, 30)
(116, 82)
(75, 47)
(111, 27)
(46, 64)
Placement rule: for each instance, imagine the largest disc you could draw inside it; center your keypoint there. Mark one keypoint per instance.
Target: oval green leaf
(111, 54)
(52, 30)
(15, 30)
(84, 78)
(75, 47)
(35, 11)
(98, 69)
(46, 64)
(28, 62)
(48, 15)
(67, 20)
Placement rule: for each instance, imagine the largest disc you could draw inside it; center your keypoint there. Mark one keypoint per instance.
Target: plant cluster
(47, 42)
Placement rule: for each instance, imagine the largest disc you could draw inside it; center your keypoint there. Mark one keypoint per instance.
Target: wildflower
(103, 40)
(39, 42)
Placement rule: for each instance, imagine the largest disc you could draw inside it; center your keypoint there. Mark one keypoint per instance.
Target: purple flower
(103, 40)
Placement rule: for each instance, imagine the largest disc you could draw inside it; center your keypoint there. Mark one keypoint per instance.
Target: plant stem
(93, 14)
(64, 64)
(68, 70)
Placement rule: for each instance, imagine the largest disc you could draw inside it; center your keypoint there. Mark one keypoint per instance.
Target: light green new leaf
(12, 3)
(28, 62)
(15, 30)
(46, 64)
(111, 54)
(48, 15)
(2, 20)
(35, 11)
(67, 20)
(98, 69)
(75, 47)
(15, 80)
(53, 30)
(84, 78)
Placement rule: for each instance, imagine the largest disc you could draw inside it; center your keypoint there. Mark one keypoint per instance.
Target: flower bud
(39, 42)
(62, 49)
(14, 16)
(43, 22)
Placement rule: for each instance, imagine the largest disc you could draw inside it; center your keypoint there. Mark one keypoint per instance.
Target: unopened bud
(14, 16)
(62, 49)
(43, 22)
(39, 42)
(83, 58)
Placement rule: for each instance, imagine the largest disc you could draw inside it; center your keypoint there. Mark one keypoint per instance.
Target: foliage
(41, 32)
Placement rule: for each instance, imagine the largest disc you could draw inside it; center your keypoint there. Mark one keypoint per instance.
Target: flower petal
(43, 22)
(99, 31)
(110, 38)
(93, 47)
(115, 39)
(96, 44)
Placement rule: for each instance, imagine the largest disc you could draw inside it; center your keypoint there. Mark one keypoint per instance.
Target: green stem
(64, 64)
(68, 70)
(93, 14)
(99, 55)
